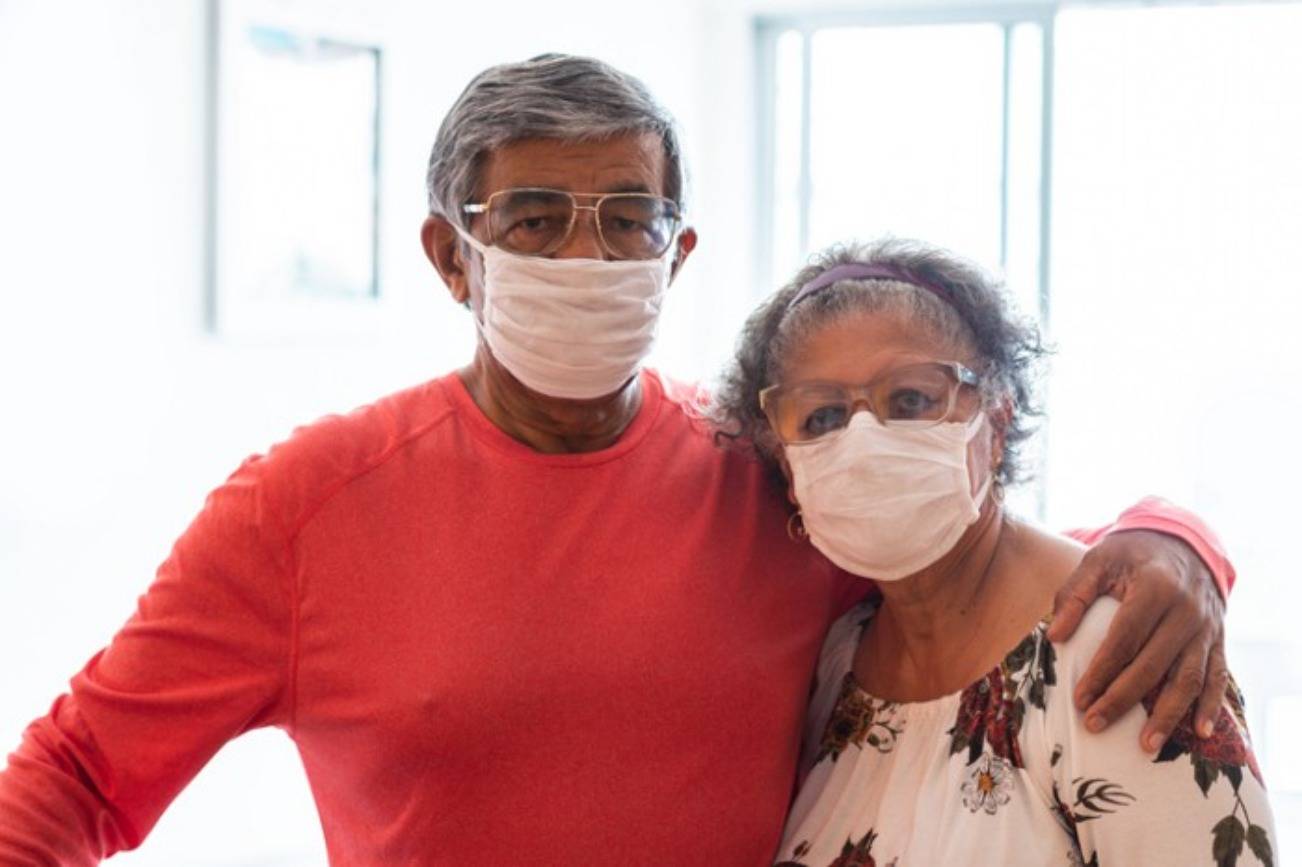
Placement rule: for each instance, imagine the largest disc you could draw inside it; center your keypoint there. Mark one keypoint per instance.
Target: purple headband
(862, 271)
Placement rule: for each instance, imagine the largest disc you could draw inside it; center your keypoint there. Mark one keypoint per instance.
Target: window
(1134, 173)
(924, 129)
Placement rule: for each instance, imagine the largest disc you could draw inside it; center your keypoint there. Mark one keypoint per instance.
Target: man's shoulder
(320, 458)
(688, 425)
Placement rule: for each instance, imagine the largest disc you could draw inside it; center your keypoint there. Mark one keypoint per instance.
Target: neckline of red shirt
(483, 429)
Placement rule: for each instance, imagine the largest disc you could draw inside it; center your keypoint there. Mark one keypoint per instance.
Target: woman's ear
(1000, 419)
(786, 474)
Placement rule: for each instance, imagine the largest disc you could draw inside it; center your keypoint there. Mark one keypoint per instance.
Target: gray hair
(974, 316)
(553, 96)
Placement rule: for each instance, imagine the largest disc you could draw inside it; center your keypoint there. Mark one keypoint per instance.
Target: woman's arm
(1196, 801)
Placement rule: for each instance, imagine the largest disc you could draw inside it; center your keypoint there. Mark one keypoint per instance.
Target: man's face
(633, 163)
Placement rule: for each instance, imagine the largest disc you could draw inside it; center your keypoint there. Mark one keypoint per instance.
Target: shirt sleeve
(205, 657)
(1155, 513)
(1193, 803)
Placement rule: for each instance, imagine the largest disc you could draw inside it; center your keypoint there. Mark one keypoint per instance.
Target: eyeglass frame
(963, 375)
(484, 207)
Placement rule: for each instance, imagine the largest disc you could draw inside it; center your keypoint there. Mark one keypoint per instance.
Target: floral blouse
(1005, 772)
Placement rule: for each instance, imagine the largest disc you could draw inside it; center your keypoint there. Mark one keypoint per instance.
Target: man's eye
(910, 403)
(621, 224)
(824, 419)
(533, 224)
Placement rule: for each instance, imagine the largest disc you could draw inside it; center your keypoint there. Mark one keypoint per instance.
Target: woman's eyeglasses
(916, 395)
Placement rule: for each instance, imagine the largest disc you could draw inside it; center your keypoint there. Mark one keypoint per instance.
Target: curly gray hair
(976, 317)
(552, 96)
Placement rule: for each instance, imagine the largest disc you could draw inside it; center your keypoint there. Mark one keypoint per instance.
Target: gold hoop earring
(796, 531)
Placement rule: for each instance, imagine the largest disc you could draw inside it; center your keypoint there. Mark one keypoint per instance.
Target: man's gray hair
(552, 96)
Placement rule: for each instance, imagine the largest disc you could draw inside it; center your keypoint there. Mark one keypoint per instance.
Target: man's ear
(443, 249)
(686, 244)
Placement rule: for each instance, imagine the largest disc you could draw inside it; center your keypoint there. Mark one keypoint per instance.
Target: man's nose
(583, 242)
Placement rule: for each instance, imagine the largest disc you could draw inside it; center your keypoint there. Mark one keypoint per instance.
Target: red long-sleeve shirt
(483, 654)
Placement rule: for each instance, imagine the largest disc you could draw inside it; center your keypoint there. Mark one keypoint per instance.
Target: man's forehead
(632, 163)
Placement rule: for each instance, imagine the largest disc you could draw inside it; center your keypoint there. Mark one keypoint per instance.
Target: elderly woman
(891, 385)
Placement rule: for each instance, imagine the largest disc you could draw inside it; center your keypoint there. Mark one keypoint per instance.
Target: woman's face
(860, 347)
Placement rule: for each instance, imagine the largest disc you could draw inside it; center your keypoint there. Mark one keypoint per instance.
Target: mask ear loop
(473, 243)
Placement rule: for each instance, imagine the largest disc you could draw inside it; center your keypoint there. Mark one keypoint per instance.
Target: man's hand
(1170, 625)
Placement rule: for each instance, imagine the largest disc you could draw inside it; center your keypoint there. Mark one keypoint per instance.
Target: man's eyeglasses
(538, 222)
(916, 395)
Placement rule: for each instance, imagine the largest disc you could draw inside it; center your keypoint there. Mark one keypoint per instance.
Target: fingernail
(1084, 700)
(1095, 722)
(1153, 742)
(1205, 729)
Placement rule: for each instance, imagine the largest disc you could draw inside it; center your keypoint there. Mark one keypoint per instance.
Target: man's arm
(1171, 574)
(205, 657)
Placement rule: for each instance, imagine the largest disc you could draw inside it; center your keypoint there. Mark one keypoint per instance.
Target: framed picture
(294, 174)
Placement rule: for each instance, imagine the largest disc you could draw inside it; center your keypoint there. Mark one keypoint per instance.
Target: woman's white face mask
(885, 502)
(570, 328)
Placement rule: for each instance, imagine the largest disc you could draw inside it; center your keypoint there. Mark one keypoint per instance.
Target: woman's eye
(913, 404)
(824, 419)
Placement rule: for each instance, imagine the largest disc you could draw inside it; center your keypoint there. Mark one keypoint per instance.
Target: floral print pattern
(1222, 757)
(977, 766)
(859, 720)
(852, 854)
(991, 711)
(989, 784)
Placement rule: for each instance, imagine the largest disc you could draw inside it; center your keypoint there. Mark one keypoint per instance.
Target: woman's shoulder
(1048, 557)
(847, 630)
(842, 641)
(1078, 650)
(834, 664)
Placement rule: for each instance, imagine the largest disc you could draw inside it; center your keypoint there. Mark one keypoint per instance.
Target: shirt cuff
(1155, 513)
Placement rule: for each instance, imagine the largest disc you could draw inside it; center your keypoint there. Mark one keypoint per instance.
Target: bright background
(1173, 210)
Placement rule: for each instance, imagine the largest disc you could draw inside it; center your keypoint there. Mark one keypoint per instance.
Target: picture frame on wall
(294, 174)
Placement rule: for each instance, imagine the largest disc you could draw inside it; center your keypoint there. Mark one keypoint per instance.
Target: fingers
(1181, 690)
(1071, 601)
(1135, 621)
(1214, 687)
(1144, 671)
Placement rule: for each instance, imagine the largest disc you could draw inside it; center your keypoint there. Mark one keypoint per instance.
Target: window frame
(768, 29)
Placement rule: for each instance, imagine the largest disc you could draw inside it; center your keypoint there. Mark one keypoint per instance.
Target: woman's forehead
(859, 345)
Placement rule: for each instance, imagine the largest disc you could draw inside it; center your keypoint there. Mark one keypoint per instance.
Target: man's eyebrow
(627, 187)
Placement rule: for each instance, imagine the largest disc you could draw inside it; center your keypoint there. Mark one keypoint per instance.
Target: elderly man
(526, 612)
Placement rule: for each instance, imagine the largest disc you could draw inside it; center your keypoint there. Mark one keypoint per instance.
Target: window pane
(1176, 302)
(788, 81)
(906, 132)
(1025, 97)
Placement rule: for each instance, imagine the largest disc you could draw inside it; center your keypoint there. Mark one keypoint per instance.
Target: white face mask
(884, 502)
(570, 328)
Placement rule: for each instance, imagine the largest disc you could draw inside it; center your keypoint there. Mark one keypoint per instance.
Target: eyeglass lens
(537, 222)
(917, 393)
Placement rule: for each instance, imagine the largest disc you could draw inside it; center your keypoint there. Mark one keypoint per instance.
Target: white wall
(120, 413)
